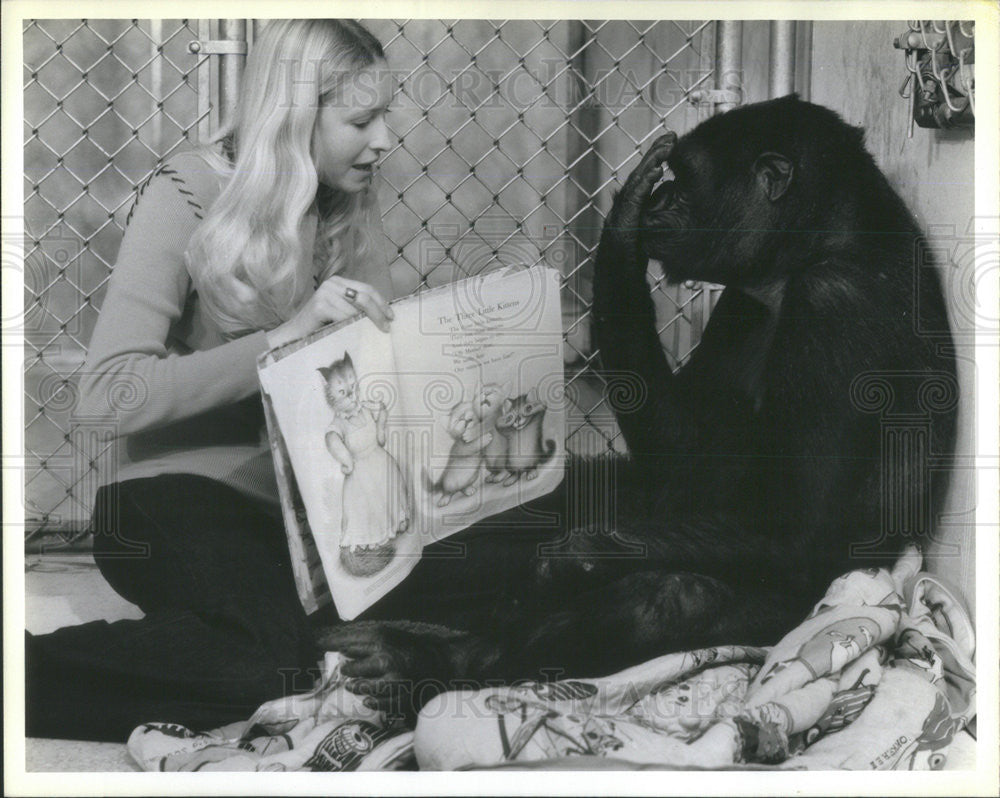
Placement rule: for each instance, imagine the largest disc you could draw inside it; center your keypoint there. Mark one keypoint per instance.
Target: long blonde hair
(247, 258)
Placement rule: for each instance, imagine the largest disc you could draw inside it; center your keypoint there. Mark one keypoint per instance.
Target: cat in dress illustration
(375, 502)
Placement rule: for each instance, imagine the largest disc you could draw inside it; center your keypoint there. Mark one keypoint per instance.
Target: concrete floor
(63, 590)
(67, 589)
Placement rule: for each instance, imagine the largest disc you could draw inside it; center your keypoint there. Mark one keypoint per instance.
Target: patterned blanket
(879, 676)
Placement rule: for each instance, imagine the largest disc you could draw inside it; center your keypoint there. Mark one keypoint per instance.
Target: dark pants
(224, 630)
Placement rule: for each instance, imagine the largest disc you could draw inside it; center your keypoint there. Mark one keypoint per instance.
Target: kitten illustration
(488, 404)
(375, 504)
(466, 455)
(520, 423)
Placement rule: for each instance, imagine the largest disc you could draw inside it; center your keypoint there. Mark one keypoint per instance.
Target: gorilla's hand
(398, 665)
(622, 225)
(620, 289)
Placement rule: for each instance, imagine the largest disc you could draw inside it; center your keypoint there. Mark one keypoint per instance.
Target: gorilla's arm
(624, 325)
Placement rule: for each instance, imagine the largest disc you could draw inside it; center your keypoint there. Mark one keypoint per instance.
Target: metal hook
(966, 83)
(904, 92)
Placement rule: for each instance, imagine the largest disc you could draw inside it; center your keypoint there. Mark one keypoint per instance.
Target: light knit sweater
(184, 399)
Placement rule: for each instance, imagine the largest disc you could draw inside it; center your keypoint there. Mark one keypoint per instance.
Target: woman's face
(350, 133)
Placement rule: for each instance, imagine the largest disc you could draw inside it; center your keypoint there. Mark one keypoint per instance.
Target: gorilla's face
(677, 219)
(667, 209)
(666, 219)
(710, 218)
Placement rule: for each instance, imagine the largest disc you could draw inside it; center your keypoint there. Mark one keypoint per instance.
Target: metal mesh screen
(105, 101)
(511, 137)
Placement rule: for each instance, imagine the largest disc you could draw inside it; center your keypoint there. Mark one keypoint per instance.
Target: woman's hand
(338, 298)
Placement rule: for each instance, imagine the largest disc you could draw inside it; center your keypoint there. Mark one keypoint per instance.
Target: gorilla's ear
(774, 173)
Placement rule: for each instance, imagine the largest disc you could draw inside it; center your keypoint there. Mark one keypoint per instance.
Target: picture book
(386, 442)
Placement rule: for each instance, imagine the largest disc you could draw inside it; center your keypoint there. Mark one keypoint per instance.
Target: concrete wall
(857, 72)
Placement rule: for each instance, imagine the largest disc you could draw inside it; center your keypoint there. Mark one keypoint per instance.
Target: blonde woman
(253, 241)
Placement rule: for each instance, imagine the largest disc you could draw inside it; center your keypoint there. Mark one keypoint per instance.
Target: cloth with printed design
(879, 676)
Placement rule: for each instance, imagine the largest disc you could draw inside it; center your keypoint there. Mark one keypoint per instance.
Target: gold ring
(351, 293)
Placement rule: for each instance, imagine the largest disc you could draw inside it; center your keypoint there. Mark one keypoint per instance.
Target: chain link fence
(105, 102)
(510, 140)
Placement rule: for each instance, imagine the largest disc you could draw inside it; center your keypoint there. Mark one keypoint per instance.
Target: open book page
(334, 402)
(480, 375)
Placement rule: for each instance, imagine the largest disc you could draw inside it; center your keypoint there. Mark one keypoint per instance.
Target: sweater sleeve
(129, 374)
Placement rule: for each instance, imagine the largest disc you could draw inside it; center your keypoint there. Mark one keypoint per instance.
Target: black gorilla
(758, 472)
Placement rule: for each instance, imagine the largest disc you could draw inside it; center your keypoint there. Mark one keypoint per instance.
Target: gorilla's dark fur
(758, 472)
